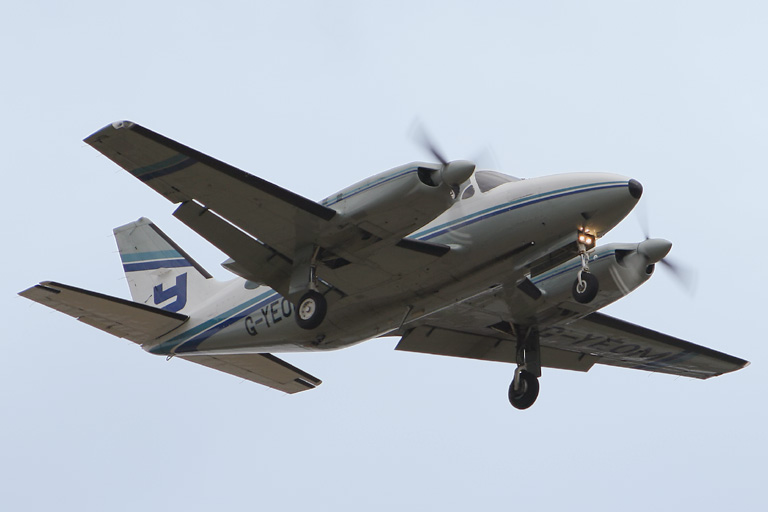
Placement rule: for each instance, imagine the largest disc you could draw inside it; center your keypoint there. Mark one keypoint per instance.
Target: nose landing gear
(585, 287)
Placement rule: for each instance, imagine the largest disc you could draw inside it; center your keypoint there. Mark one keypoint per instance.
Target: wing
(122, 318)
(489, 347)
(618, 343)
(264, 369)
(268, 232)
(274, 215)
(476, 329)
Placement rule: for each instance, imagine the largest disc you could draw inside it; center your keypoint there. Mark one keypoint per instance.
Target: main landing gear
(311, 310)
(524, 389)
(311, 307)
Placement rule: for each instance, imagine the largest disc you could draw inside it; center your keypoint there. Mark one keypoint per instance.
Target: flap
(251, 259)
(446, 342)
(122, 318)
(264, 369)
(257, 262)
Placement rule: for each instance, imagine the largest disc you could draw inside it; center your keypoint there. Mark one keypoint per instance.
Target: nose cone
(612, 201)
(654, 249)
(635, 189)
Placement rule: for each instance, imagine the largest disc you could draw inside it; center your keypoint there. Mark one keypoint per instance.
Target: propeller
(453, 173)
(656, 250)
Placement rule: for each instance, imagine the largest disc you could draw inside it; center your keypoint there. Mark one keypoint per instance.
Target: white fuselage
(494, 237)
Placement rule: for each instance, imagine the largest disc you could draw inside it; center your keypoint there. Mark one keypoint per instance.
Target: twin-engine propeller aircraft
(455, 261)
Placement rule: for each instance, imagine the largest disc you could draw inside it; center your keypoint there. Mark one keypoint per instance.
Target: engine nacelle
(619, 269)
(397, 202)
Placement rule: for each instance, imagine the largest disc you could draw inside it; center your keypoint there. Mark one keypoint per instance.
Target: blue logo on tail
(179, 290)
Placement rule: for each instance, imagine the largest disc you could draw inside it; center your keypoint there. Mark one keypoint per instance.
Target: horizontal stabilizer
(122, 318)
(264, 369)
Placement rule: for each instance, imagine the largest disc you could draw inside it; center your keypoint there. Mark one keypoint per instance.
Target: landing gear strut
(586, 286)
(312, 306)
(525, 387)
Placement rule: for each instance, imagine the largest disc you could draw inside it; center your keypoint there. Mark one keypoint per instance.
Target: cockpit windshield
(487, 180)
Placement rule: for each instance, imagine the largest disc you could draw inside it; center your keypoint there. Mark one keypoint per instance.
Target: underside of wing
(269, 233)
(122, 318)
(274, 215)
(478, 328)
(487, 347)
(618, 343)
(255, 261)
(264, 369)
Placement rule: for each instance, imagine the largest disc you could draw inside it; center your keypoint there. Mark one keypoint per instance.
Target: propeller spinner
(656, 250)
(453, 173)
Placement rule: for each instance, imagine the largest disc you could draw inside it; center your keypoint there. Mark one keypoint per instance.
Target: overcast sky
(314, 96)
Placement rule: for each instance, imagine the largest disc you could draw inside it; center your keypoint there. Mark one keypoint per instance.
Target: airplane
(454, 260)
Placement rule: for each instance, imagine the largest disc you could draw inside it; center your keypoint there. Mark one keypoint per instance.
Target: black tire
(524, 397)
(311, 310)
(590, 292)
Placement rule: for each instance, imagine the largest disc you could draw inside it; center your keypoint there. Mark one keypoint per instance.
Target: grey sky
(314, 96)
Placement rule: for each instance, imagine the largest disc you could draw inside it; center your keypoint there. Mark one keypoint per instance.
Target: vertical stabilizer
(159, 272)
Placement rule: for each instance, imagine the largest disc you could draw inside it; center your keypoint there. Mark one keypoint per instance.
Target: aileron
(620, 343)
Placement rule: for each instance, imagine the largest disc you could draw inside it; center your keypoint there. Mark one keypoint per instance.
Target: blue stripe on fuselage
(207, 329)
(199, 333)
(518, 203)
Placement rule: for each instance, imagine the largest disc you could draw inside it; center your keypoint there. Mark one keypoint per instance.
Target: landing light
(586, 239)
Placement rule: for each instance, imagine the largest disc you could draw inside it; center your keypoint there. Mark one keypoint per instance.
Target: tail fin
(159, 272)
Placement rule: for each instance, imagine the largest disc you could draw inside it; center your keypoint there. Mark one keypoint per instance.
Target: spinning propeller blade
(684, 276)
(453, 173)
(422, 138)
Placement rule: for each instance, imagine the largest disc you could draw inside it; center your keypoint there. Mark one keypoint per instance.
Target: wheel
(524, 397)
(310, 310)
(588, 291)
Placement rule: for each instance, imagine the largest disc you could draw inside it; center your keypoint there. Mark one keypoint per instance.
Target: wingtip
(46, 286)
(117, 125)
